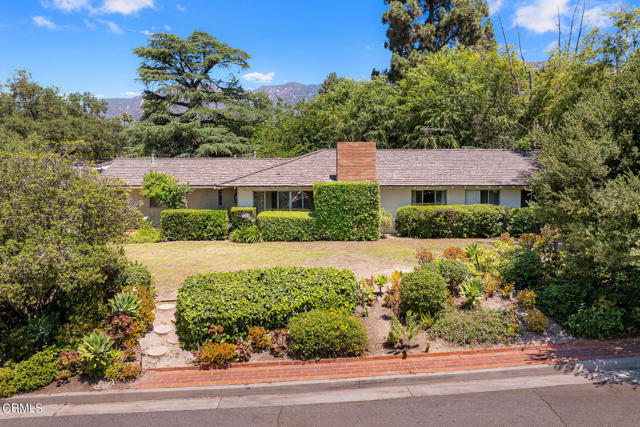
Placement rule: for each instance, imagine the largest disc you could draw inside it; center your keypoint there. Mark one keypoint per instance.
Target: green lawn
(172, 262)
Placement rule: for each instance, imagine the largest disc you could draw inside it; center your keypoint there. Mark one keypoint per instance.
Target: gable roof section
(433, 168)
(197, 172)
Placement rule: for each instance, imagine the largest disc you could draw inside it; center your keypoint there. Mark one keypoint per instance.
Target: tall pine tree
(429, 25)
(193, 102)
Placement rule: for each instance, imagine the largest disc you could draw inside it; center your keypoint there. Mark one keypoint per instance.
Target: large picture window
(483, 197)
(429, 197)
(296, 200)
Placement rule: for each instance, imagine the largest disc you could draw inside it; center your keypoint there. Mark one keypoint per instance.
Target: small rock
(157, 351)
(173, 340)
(162, 329)
(166, 306)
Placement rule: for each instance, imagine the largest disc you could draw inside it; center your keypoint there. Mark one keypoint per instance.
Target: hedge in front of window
(267, 297)
(287, 226)
(242, 217)
(451, 221)
(194, 224)
(347, 210)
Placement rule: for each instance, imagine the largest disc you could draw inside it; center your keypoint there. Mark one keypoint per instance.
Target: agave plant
(472, 251)
(472, 292)
(125, 303)
(96, 353)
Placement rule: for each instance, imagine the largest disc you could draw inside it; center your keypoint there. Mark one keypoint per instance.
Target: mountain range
(290, 93)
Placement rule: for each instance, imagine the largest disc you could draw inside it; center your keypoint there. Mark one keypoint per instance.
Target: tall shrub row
(194, 224)
(287, 226)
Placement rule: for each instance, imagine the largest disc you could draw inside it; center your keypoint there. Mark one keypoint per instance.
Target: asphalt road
(574, 405)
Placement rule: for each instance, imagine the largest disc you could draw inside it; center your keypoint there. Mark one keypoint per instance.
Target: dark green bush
(326, 334)
(559, 301)
(422, 291)
(242, 217)
(597, 322)
(454, 271)
(194, 224)
(135, 274)
(347, 210)
(522, 267)
(287, 226)
(451, 221)
(250, 234)
(37, 371)
(30, 338)
(473, 326)
(520, 221)
(267, 297)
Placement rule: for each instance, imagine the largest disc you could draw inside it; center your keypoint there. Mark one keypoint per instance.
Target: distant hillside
(290, 93)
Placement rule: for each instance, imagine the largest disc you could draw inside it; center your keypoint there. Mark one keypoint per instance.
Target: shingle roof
(197, 172)
(433, 168)
(466, 167)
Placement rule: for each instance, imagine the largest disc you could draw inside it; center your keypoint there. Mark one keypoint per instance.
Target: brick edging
(583, 343)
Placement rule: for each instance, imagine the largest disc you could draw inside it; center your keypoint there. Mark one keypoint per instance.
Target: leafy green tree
(165, 189)
(460, 97)
(192, 107)
(58, 223)
(430, 25)
(34, 118)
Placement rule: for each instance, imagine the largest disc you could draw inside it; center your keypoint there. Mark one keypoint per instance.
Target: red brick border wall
(356, 161)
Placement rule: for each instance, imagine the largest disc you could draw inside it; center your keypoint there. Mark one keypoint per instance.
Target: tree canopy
(193, 102)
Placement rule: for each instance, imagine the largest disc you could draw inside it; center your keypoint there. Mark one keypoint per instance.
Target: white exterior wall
(510, 197)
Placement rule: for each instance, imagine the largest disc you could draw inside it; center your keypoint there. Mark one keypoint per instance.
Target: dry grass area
(172, 262)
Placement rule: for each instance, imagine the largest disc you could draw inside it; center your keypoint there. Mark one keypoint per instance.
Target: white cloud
(43, 21)
(146, 32)
(129, 93)
(69, 5)
(166, 27)
(112, 26)
(90, 25)
(368, 47)
(180, 7)
(125, 7)
(595, 17)
(541, 16)
(259, 77)
(494, 6)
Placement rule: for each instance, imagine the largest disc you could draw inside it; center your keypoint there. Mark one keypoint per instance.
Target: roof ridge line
(274, 166)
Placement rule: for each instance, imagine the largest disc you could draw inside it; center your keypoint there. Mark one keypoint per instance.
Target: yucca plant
(96, 353)
(125, 303)
(472, 292)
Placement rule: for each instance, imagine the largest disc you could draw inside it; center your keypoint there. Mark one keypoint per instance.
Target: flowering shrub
(242, 217)
(527, 298)
(424, 256)
(490, 284)
(455, 252)
(248, 234)
(325, 334)
(279, 338)
(243, 351)
(259, 338)
(215, 354)
(535, 320)
(68, 360)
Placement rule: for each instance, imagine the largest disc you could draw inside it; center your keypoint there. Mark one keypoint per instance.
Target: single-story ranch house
(406, 177)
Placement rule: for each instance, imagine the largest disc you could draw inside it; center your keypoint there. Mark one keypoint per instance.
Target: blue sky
(86, 45)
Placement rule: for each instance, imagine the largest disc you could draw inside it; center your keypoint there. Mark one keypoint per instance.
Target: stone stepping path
(157, 351)
(162, 329)
(166, 306)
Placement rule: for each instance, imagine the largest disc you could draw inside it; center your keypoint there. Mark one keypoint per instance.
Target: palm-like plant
(125, 303)
(472, 292)
(96, 353)
(472, 251)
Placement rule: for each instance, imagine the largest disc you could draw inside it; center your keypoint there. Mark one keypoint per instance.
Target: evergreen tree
(430, 25)
(193, 102)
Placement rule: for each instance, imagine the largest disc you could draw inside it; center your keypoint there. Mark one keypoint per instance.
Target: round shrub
(535, 320)
(135, 274)
(215, 353)
(422, 291)
(561, 300)
(326, 334)
(596, 322)
(453, 271)
(522, 267)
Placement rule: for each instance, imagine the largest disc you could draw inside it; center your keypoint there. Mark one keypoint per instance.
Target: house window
(526, 197)
(483, 197)
(283, 200)
(429, 197)
(154, 203)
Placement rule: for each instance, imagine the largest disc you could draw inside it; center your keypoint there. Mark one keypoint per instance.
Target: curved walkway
(278, 371)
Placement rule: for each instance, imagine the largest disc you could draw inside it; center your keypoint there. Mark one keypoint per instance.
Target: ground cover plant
(237, 301)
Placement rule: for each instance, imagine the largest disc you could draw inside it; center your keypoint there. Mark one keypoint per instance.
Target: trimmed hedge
(451, 221)
(347, 210)
(287, 226)
(266, 297)
(194, 224)
(242, 217)
(422, 291)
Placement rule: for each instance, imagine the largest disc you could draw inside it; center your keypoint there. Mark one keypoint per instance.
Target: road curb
(133, 395)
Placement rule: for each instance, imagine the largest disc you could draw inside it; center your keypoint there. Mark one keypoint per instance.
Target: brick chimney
(356, 161)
